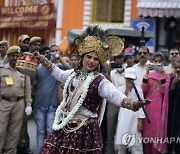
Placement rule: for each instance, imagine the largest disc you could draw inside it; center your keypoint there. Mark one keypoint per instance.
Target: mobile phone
(151, 66)
(158, 67)
(115, 65)
(155, 66)
(48, 56)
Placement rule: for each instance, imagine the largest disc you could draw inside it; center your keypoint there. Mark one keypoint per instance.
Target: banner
(31, 17)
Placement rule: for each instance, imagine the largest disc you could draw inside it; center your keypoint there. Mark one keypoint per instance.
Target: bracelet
(163, 81)
(145, 80)
(128, 104)
(45, 62)
(135, 109)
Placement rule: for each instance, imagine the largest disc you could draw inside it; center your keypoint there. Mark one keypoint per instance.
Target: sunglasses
(174, 53)
(144, 53)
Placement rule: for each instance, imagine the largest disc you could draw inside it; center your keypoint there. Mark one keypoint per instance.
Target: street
(32, 135)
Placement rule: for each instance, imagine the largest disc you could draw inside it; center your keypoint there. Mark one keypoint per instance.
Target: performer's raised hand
(36, 56)
(134, 105)
(138, 104)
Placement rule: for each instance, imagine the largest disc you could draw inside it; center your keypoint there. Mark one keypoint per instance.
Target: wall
(72, 15)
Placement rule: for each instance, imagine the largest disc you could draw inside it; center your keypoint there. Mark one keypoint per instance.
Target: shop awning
(132, 36)
(159, 8)
(74, 33)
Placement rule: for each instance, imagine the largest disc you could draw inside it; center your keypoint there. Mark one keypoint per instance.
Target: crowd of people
(67, 97)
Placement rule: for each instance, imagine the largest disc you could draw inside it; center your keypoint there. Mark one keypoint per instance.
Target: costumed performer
(76, 125)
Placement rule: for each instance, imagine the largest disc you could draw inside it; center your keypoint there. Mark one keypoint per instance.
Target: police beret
(4, 42)
(13, 49)
(35, 39)
(23, 37)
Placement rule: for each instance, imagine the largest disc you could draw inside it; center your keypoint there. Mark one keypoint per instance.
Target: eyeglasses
(176, 53)
(144, 53)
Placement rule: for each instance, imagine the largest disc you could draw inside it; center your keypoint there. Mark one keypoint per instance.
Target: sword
(139, 98)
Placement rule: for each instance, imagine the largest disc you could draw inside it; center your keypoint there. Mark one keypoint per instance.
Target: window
(108, 10)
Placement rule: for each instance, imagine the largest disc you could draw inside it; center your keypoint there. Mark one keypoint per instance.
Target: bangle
(128, 104)
(45, 62)
(145, 80)
(163, 81)
(135, 109)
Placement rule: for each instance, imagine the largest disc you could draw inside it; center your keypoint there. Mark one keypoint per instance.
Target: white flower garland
(56, 125)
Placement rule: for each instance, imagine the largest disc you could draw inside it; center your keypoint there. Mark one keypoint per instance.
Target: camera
(155, 66)
(115, 65)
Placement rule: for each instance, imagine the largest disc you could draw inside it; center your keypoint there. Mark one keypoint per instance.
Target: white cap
(130, 73)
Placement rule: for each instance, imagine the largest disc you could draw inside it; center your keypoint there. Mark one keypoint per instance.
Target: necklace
(66, 117)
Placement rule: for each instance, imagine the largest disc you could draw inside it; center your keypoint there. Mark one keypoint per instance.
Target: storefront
(166, 14)
(49, 19)
(34, 20)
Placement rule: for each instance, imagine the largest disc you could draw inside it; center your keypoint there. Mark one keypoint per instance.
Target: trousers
(11, 118)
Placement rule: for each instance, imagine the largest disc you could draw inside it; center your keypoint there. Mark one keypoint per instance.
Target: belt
(12, 99)
(78, 121)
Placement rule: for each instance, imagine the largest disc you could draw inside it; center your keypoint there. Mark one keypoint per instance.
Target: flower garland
(56, 125)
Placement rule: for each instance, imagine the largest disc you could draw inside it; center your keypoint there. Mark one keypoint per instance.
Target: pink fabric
(157, 110)
(149, 149)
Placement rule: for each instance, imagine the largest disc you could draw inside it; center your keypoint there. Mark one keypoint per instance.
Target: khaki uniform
(15, 94)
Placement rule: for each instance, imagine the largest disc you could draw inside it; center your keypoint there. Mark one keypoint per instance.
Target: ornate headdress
(26, 64)
(94, 39)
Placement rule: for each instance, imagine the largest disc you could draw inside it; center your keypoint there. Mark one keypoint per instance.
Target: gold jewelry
(45, 62)
(26, 64)
(116, 45)
(129, 104)
(94, 41)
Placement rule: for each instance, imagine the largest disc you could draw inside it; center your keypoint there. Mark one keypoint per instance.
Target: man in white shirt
(140, 67)
(129, 122)
(117, 78)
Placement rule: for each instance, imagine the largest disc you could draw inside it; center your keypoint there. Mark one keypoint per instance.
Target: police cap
(13, 49)
(35, 39)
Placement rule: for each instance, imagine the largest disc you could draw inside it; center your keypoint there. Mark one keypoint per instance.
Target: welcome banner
(31, 17)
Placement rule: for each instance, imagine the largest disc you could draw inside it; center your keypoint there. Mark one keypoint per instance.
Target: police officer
(24, 42)
(15, 98)
(35, 43)
(3, 50)
(24, 141)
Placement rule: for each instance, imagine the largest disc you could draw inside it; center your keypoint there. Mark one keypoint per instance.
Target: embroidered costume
(76, 126)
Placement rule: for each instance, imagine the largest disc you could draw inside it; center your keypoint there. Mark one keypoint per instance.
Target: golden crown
(26, 64)
(104, 47)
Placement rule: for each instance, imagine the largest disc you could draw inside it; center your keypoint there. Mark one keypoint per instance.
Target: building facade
(166, 14)
(54, 18)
